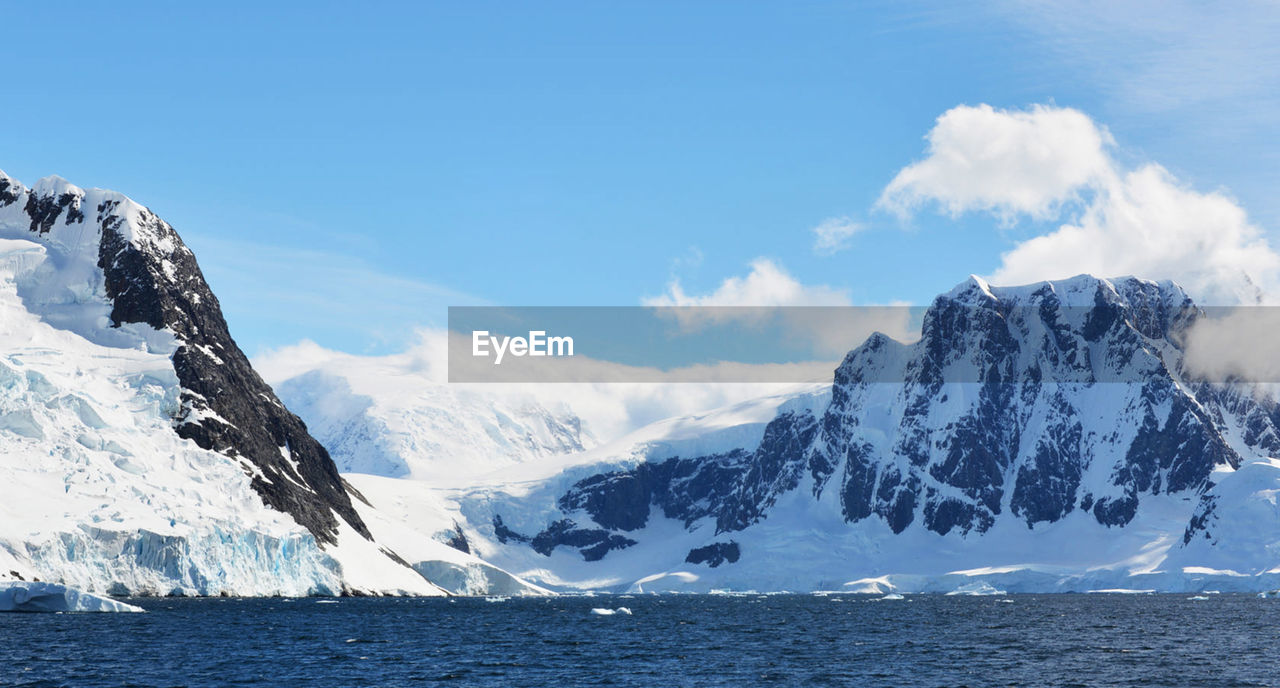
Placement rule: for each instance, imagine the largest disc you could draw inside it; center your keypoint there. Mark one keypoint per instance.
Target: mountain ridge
(1057, 403)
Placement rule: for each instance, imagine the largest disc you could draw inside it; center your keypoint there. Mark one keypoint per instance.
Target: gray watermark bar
(949, 342)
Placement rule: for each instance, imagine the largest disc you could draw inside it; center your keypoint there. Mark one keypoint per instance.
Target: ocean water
(703, 640)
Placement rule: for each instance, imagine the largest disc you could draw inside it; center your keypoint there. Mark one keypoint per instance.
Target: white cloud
(766, 285)
(1053, 162)
(822, 316)
(1147, 224)
(1238, 343)
(833, 235)
(1003, 161)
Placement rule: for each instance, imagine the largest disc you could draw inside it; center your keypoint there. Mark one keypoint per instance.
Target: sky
(345, 173)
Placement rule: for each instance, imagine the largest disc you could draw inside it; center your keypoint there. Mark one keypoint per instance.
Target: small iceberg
(1270, 593)
(893, 596)
(22, 596)
(601, 611)
(1198, 598)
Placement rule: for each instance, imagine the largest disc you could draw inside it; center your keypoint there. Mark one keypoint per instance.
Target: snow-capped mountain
(1038, 438)
(139, 450)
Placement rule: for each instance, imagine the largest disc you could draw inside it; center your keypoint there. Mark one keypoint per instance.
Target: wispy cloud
(834, 235)
(1217, 63)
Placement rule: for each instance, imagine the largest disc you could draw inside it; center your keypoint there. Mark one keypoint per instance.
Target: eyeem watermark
(536, 344)
(1052, 344)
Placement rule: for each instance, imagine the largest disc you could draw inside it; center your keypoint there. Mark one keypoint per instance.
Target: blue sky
(346, 172)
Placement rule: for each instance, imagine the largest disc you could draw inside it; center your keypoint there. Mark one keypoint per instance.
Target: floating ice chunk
(473, 577)
(600, 611)
(893, 596)
(1198, 598)
(21, 596)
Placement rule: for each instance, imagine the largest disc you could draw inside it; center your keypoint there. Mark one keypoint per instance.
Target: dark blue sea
(705, 640)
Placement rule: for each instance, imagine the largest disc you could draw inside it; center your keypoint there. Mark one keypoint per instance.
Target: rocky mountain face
(1018, 405)
(148, 276)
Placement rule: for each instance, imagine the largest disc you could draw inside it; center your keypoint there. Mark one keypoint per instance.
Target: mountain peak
(53, 185)
(972, 288)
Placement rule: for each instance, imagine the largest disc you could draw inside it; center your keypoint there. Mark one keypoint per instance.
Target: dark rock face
(683, 489)
(687, 490)
(1045, 489)
(226, 406)
(715, 554)
(775, 468)
(592, 543)
(9, 191)
(505, 534)
(993, 414)
(455, 538)
(44, 210)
